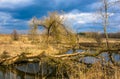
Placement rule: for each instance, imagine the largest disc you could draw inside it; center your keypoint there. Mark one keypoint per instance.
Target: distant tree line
(102, 35)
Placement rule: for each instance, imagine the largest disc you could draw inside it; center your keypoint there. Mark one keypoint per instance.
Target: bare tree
(106, 12)
(15, 35)
(105, 17)
(97, 37)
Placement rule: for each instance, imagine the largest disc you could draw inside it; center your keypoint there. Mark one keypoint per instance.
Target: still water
(33, 71)
(26, 71)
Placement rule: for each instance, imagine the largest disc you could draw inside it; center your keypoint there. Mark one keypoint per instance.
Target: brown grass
(97, 71)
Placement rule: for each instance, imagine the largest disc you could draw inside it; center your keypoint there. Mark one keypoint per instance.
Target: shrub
(14, 35)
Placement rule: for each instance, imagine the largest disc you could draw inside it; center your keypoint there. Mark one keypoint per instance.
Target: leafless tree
(105, 16)
(15, 35)
(105, 13)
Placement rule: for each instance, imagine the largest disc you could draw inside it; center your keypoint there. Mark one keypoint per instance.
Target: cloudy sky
(81, 15)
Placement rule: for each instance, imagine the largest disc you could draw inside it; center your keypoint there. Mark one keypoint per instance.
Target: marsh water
(33, 71)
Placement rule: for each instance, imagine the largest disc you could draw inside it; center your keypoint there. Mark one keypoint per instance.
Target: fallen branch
(27, 57)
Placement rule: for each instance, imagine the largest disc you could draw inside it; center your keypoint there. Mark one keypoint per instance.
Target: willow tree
(56, 29)
(33, 32)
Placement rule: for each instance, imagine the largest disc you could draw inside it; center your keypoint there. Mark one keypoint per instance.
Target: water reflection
(26, 71)
(33, 71)
(104, 56)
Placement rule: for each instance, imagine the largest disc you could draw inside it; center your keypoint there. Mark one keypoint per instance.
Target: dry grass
(97, 71)
(100, 72)
(24, 45)
(91, 40)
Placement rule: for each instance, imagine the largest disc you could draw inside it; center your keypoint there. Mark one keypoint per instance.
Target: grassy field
(24, 45)
(7, 44)
(91, 40)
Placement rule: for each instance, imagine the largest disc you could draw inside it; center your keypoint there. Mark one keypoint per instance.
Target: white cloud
(4, 18)
(12, 4)
(77, 20)
(81, 18)
(8, 23)
(98, 4)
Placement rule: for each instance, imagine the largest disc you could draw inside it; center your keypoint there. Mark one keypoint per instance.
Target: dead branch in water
(27, 57)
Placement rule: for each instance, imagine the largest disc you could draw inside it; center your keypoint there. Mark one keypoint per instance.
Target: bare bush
(97, 37)
(14, 35)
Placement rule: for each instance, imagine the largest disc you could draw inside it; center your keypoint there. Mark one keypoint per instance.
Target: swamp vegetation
(58, 53)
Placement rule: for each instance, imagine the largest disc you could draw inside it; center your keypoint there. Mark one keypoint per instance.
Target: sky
(81, 15)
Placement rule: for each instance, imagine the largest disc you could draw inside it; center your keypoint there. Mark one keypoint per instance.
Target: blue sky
(81, 15)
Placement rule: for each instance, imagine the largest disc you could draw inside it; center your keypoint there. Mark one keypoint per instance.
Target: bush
(14, 35)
